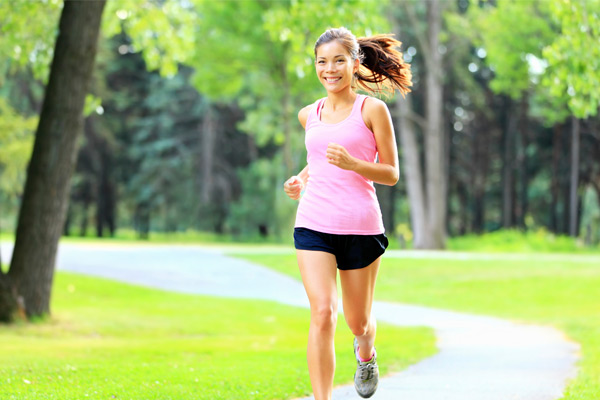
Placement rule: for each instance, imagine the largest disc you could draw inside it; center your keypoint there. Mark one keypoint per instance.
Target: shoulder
(373, 111)
(303, 114)
(374, 105)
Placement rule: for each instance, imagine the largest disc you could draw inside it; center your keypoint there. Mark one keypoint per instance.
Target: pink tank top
(336, 200)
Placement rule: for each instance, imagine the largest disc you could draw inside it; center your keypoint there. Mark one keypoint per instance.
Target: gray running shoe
(366, 377)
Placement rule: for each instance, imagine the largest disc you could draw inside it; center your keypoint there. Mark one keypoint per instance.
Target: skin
(335, 69)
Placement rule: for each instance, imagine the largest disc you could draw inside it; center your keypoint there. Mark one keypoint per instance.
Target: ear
(356, 66)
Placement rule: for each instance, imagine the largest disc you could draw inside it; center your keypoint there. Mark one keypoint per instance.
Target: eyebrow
(339, 55)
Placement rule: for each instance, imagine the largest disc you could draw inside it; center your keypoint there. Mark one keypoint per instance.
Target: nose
(330, 66)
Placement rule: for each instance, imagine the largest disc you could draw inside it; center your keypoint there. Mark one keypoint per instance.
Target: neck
(341, 99)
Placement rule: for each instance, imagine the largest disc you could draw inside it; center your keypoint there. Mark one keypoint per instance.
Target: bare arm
(386, 171)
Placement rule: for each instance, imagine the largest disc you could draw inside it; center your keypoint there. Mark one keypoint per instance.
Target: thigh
(319, 273)
(358, 287)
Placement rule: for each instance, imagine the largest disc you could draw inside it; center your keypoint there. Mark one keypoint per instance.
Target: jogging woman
(350, 144)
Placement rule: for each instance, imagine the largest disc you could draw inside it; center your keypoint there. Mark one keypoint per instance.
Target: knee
(324, 317)
(358, 325)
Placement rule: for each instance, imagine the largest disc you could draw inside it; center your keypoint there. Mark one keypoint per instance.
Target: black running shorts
(350, 251)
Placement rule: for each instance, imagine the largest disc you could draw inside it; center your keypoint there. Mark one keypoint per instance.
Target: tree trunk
(45, 198)
(555, 184)
(573, 199)
(412, 172)
(523, 164)
(207, 143)
(434, 133)
(508, 181)
(481, 156)
(428, 199)
(83, 225)
(105, 200)
(463, 212)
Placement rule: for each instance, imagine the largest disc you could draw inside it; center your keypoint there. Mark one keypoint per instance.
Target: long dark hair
(382, 68)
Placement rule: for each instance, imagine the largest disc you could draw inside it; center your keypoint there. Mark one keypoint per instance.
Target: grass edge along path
(560, 293)
(108, 340)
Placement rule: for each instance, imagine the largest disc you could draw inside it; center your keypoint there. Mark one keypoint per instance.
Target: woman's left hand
(339, 156)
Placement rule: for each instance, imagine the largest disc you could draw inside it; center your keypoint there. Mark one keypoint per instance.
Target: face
(334, 66)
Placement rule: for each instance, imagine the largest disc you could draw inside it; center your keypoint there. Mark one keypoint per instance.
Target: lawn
(551, 290)
(109, 340)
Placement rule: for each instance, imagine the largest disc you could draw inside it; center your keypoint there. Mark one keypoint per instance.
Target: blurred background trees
(191, 120)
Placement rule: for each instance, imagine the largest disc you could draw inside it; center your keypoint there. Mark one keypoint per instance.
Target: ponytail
(382, 67)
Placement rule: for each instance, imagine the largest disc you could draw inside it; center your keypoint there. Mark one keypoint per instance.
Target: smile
(332, 80)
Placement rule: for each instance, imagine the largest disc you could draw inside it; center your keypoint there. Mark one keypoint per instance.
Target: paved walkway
(479, 358)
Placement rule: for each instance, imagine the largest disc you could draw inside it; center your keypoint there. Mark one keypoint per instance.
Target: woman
(338, 222)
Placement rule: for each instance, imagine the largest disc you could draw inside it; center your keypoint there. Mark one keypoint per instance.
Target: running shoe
(366, 377)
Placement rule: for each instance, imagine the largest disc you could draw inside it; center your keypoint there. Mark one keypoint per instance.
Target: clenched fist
(339, 156)
(293, 187)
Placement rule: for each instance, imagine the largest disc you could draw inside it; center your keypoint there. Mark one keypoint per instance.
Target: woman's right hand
(293, 187)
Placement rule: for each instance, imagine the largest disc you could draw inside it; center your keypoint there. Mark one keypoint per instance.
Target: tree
(514, 55)
(574, 69)
(27, 284)
(426, 190)
(547, 62)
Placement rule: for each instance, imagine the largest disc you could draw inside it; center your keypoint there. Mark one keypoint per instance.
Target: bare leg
(358, 287)
(319, 272)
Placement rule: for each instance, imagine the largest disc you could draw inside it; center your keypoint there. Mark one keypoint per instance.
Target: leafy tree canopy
(28, 30)
(574, 56)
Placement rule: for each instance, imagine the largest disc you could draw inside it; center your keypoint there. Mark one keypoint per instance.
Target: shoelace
(366, 371)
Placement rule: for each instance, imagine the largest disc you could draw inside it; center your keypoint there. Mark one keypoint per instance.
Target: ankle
(361, 359)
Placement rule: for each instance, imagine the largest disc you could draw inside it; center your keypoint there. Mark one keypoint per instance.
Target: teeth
(331, 80)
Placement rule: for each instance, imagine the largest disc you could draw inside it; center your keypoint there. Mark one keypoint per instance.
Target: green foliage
(539, 240)
(513, 34)
(172, 346)
(161, 30)
(16, 143)
(547, 107)
(460, 36)
(261, 208)
(92, 103)
(574, 57)
(555, 43)
(165, 164)
(28, 30)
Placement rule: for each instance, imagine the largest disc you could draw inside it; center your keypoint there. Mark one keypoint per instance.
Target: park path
(479, 358)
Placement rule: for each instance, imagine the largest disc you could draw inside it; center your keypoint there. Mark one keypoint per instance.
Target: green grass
(530, 288)
(109, 340)
(533, 241)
